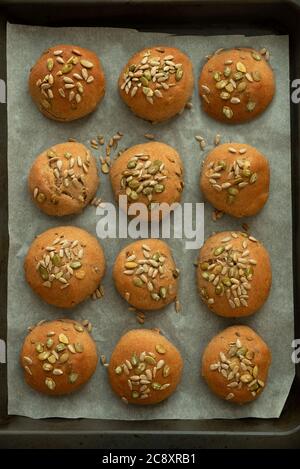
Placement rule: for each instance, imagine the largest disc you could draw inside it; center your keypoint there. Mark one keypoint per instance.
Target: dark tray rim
(6, 423)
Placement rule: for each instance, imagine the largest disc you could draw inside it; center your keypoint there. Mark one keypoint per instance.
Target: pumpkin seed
(150, 360)
(241, 86)
(137, 281)
(43, 356)
(147, 75)
(226, 281)
(39, 347)
(134, 360)
(64, 357)
(256, 76)
(232, 191)
(217, 76)
(47, 367)
(75, 265)
(160, 349)
(52, 359)
(49, 343)
(144, 81)
(250, 106)
(221, 84)
(131, 164)
(179, 74)
(219, 289)
(246, 378)
(158, 188)
(67, 68)
(78, 347)
(241, 67)
(73, 377)
(43, 272)
(78, 327)
(166, 371)
(63, 339)
(50, 383)
(56, 261)
(238, 76)
(156, 386)
(229, 88)
(227, 111)
(256, 56)
(227, 71)
(50, 64)
(224, 95)
(219, 250)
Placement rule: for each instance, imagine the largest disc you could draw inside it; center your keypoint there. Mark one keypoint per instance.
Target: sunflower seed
(86, 63)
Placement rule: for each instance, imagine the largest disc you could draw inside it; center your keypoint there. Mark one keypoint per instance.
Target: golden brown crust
(63, 179)
(72, 273)
(235, 364)
(67, 82)
(145, 274)
(235, 179)
(252, 86)
(156, 367)
(58, 357)
(166, 170)
(234, 274)
(158, 100)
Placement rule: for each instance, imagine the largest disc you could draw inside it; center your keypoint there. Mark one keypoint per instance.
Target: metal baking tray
(251, 17)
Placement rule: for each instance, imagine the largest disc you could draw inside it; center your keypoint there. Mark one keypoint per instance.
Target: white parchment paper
(29, 133)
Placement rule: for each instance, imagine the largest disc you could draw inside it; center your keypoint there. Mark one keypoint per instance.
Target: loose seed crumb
(177, 306)
(217, 214)
(189, 105)
(203, 145)
(199, 138)
(217, 139)
(149, 136)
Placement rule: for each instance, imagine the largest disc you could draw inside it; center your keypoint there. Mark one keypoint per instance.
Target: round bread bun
(157, 83)
(58, 357)
(64, 266)
(63, 179)
(235, 179)
(145, 274)
(236, 85)
(144, 368)
(67, 82)
(235, 364)
(149, 173)
(233, 258)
